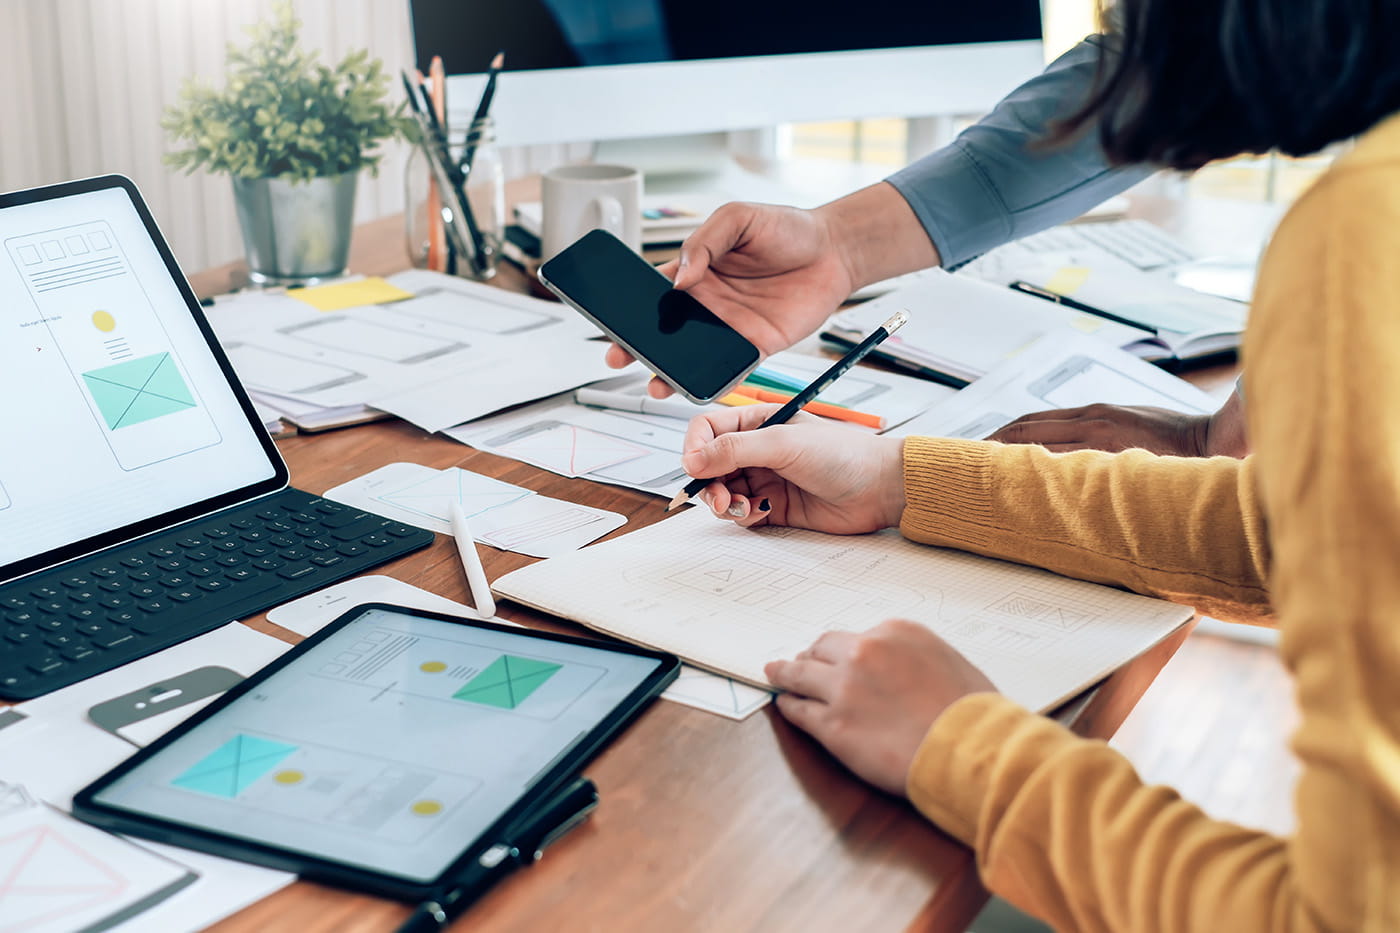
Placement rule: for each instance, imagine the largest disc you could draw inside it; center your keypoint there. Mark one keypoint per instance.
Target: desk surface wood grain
(705, 823)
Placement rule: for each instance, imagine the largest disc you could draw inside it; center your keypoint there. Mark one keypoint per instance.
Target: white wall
(83, 84)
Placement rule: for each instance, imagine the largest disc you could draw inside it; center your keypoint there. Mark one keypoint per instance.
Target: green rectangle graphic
(507, 681)
(138, 390)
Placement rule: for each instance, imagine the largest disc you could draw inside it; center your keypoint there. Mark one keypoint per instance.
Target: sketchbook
(731, 599)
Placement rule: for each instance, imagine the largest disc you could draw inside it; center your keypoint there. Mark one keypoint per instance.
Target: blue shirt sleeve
(991, 185)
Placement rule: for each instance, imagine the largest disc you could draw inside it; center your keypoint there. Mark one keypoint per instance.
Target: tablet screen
(388, 746)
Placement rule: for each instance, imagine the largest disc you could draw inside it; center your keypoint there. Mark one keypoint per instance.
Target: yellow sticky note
(367, 291)
(1068, 280)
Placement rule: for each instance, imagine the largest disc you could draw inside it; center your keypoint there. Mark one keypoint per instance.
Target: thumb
(711, 240)
(771, 448)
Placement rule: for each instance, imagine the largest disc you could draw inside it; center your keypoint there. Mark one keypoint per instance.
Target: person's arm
(1063, 827)
(1124, 427)
(994, 184)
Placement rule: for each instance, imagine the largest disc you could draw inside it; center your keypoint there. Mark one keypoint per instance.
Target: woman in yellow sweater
(1306, 531)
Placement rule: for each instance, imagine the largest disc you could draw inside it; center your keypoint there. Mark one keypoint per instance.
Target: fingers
(617, 358)
(668, 269)
(722, 232)
(1045, 432)
(808, 678)
(705, 428)
(773, 449)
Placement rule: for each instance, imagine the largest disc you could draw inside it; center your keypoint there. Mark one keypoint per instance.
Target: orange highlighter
(817, 408)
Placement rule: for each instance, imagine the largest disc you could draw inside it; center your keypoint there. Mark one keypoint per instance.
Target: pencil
(483, 107)
(819, 385)
(825, 409)
(437, 237)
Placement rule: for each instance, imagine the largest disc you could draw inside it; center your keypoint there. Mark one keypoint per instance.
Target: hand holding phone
(673, 334)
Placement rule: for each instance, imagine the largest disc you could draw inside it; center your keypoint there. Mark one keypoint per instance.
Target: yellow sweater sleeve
(1062, 826)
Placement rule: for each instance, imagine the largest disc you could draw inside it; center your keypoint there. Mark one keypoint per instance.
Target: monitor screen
(118, 411)
(585, 70)
(541, 34)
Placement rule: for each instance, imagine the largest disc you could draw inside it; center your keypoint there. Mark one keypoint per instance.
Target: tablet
(385, 752)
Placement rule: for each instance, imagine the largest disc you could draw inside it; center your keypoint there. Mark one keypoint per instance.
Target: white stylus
(471, 561)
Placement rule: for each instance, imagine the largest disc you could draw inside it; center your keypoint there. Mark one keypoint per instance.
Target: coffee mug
(580, 198)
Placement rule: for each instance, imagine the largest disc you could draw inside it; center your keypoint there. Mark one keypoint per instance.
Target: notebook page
(732, 599)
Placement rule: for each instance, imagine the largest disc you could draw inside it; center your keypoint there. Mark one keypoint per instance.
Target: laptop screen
(119, 415)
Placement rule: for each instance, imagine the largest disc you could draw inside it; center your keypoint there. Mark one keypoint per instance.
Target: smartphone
(674, 335)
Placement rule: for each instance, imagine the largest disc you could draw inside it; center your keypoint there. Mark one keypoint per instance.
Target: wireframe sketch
(346, 334)
(110, 336)
(430, 496)
(471, 312)
(274, 371)
(566, 448)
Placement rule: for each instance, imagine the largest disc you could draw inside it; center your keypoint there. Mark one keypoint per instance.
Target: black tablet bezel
(316, 868)
(280, 475)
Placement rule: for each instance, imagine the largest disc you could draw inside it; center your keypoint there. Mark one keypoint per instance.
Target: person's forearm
(877, 234)
(1225, 433)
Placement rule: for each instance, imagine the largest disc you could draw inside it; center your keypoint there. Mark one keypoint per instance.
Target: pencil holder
(428, 241)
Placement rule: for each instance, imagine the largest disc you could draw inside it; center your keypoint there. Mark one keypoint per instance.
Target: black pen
(819, 385)
(538, 829)
(483, 107)
(1038, 292)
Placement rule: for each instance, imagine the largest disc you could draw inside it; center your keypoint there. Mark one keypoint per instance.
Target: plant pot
(296, 232)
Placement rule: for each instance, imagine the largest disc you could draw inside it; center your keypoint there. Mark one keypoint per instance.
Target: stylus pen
(542, 827)
(471, 560)
(818, 386)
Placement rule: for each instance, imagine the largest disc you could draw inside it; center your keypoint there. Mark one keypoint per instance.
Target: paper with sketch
(502, 515)
(963, 327)
(57, 874)
(313, 612)
(731, 599)
(1057, 371)
(455, 351)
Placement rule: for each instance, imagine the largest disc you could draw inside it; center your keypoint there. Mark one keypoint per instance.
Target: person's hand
(1112, 428)
(806, 474)
(871, 698)
(772, 273)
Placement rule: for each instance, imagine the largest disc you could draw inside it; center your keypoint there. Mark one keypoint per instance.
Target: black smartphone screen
(677, 336)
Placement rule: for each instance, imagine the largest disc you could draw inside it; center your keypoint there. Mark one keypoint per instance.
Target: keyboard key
(83, 596)
(86, 613)
(184, 596)
(214, 534)
(47, 665)
(257, 534)
(295, 553)
(271, 515)
(301, 518)
(77, 652)
(343, 519)
(259, 550)
(268, 563)
(171, 563)
(295, 571)
(231, 560)
(400, 531)
(203, 553)
(15, 602)
(52, 624)
(190, 541)
(154, 606)
(62, 639)
(112, 586)
(243, 524)
(133, 561)
(282, 541)
(124, 617)
(21, 617)
(352, 550)
(145, 591)
(358, 530)
(163, 550)
(76, 581)
(113, 639)
(106, 570)
(228, 544)
(327, 560)
(202, 570)
(45, 592)
(318, 544)
(142, 575)
(22, 637)
(213, 585)
(279, 526)
(376, 540)
(175, 581)
(329, 507)
(93, 628)
(240, 574)
(116, 602)
(51, 607)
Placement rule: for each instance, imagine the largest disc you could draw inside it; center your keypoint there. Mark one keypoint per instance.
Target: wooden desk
(705, 823)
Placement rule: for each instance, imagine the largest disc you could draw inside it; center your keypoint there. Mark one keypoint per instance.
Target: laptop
(142, 502)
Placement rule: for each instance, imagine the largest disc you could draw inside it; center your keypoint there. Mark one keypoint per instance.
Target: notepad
(732, 599)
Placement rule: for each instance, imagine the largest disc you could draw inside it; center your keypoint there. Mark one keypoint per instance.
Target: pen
(642, 404)
(543, 826)
(1038, 292)
(896, 321)
(471, 560)
(825, 409)
(482, 109)
(467, 236)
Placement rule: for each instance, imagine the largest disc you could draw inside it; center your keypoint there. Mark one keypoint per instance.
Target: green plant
(282, 112)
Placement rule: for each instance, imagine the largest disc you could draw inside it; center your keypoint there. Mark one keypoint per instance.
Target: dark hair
(1198, 80)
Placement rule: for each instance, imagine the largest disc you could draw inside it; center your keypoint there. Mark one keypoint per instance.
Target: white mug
(580, 198)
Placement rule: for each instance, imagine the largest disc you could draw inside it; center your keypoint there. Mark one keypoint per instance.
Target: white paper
(964, 327)
(224, 888)
(456, 351)
(732, 599)
(1057, 371)
(310, 614)
(502, 515)
(57, 874)
(313, 612)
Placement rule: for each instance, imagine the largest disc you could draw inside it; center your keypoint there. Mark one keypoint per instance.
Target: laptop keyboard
(91, 615)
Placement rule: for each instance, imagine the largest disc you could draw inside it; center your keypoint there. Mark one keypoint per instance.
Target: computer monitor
(588, 70)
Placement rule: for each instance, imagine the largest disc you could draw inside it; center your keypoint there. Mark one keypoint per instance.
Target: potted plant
(293, 134)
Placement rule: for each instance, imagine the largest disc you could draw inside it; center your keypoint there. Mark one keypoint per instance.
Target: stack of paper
(454, 351)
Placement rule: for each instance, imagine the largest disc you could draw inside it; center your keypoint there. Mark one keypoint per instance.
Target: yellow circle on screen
(432, 667)
(426, 807)
(104, 321)
(288, 777)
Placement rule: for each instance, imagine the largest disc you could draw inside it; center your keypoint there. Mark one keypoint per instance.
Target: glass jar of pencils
(433, 231)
